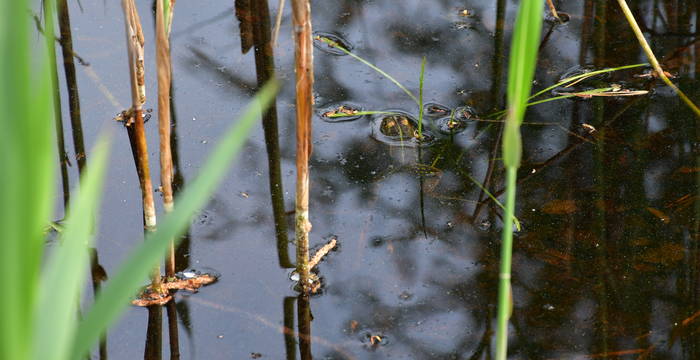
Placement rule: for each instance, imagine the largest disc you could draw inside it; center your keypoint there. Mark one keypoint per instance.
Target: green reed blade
(521, 70)
(348, 52)
(420, 98)
(572, 79)
(27, 155)
(63, 276)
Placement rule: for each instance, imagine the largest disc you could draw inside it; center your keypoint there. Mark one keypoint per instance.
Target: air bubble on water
(485, 225)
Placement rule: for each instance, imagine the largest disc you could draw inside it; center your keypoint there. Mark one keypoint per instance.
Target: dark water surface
(606, 265)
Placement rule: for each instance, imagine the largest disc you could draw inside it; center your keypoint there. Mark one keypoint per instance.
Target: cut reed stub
(340, 112)
(332, 39)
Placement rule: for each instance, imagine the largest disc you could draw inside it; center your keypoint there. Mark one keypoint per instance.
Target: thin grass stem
(652, 58)
(396, 82)
(420, 98)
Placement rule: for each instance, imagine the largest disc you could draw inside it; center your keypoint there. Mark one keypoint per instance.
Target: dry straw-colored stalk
(303, 61)
(164, 71)
(134, 119)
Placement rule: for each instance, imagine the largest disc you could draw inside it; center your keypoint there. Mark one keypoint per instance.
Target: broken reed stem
(278, 23)
(164, 70)
(135, 125)
(323, 251)
(303, 62)
(652, 58)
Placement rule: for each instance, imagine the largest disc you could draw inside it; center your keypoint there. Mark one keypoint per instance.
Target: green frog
(398, 126)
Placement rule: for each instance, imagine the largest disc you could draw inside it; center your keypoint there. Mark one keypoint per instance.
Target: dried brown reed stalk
(303, 62)
(164, 70)
(133, 118)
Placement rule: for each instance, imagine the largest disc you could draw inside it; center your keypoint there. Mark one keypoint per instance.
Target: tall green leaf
(117, 293)
(26, 183)
(64, 275)
(523, 60)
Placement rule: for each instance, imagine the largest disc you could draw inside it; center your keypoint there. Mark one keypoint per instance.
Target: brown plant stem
(71, 84)
(135, 123)
(652, 58)
(164, 70)
(303, 62)
(265, 71)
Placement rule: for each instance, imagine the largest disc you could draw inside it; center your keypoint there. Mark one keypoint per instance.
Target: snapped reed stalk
(164, 13)
(134, 122)
(521, 70)
(278, 23)
(652, 58)
(303, 63)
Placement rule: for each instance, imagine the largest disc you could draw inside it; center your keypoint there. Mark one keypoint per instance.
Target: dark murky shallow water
(606, 263)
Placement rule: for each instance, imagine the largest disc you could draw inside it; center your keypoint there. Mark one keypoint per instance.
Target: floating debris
(340, 112)
(190, 280)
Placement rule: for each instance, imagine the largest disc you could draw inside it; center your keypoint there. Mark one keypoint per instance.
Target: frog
(398, 126)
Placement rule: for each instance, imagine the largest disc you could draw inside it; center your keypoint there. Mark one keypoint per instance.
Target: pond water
(606, 262)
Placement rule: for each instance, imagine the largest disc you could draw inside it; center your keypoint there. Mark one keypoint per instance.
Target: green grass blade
(362, 113)
(521, 70)
(63, 277)
(27, 177)
(572, 79)
(486, 191)
(420, 98)
(380, 71)
(116, 294)
(523, 56)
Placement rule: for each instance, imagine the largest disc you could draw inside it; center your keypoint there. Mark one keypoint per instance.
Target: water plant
(652, 58)
(521, 70)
